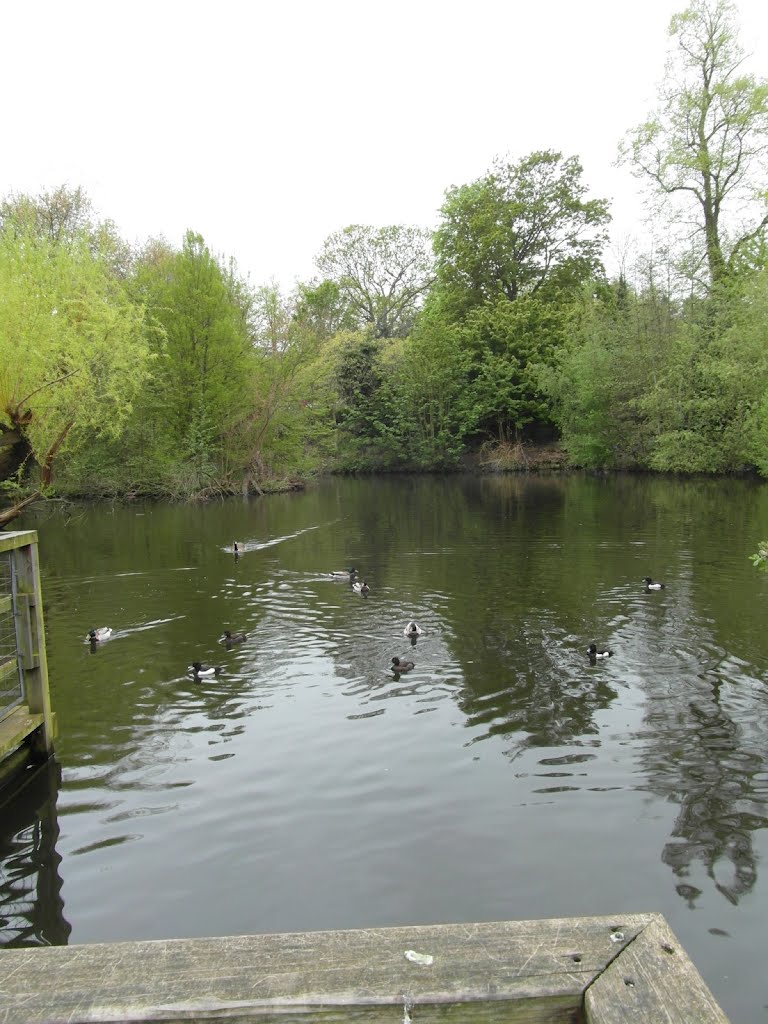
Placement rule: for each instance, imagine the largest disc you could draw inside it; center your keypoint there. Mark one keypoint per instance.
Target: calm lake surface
(308, 787)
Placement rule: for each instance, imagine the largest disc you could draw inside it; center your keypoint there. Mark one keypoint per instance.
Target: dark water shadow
(31, 905)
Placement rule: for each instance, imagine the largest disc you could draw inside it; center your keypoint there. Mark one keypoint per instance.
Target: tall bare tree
(703, 152)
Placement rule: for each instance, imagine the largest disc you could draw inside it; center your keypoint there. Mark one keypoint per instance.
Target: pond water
(505, 777)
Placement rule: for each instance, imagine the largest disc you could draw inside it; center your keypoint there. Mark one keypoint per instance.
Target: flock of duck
(412, 629)
(200, 670)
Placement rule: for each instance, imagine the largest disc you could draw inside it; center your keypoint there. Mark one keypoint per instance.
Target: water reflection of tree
(538, 703)
(31, 907)
(701, 759)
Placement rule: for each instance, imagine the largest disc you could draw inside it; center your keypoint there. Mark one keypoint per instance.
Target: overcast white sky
(266, 126)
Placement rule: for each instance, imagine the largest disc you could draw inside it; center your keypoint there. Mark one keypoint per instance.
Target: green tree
(647, 383)
(288, 422)
(706, 144)
(431, 384)
(367, 412)
(604, 382)
(382, 275)
(322, 310)
(509, 342)
(206, 363)
(65, 216)
(271, 316)
(521, 228)
(62, 216)
(74, 352)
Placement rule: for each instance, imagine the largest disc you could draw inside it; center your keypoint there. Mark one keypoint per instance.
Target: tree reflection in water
(31, 907)
(547, 699)
(718, 810)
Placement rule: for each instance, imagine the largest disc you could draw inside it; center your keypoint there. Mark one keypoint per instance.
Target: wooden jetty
(27, 724)
(628, 969)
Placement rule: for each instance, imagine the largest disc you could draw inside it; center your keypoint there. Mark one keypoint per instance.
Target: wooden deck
(21, 740)
(597, 970)
(27, 731)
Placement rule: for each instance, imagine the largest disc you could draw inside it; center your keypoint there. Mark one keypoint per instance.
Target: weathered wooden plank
(541, 967)
(16, 727)
(30, 636)
(17, 539)
(652, 979)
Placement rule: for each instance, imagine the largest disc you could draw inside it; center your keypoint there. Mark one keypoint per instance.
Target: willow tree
(73, 350)
(703, 152)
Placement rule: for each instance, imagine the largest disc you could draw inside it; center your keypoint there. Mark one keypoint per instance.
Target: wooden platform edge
(532, 972)
(17, 727)
(12, 539)
(652, 979)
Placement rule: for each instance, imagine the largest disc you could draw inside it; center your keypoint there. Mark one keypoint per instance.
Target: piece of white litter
(617, 936)
(422, 959)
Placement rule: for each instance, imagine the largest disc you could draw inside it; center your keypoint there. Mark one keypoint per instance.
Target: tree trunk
(9, 514)
(14, 452)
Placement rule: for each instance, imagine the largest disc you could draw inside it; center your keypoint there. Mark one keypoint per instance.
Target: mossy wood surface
(17, 727)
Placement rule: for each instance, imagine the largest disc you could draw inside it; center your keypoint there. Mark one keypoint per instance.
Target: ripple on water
(141, 812)
(105, 844)
(307, 787)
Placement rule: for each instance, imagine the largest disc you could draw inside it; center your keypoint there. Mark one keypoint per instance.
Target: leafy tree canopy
(73, 348)
(522, 227)
(382, 274)
(202, 378)
(65, 216)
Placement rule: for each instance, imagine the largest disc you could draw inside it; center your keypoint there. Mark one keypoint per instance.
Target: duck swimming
(413, 629)
(95, 635)
(232, 638)
(199, 670)
(402, 666)
(361, 588)
(650, 585)
(594, 653)
(343, 574)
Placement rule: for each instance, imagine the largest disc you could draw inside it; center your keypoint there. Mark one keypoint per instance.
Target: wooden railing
(27, 724)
